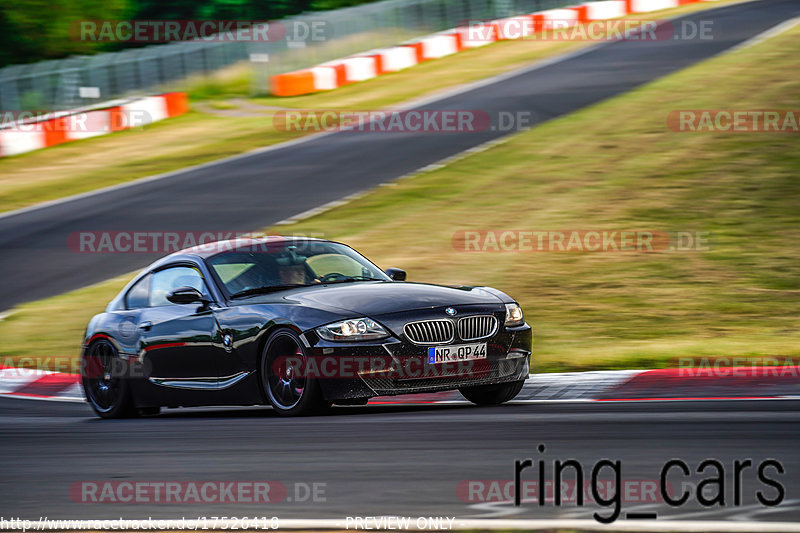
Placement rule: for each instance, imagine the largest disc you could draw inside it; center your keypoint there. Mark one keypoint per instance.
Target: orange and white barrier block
(439, 46)
(605, 10)
(336, 69)
(560, 18)
(30, 134)
(324, 78)
(474, 34)
(15, 141)
(394, 59)
(299, 82)
(359, 68)
(435, 46)
(515, 27)
(645, 6)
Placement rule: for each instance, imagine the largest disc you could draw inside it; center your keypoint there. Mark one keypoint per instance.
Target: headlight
(514, 315)
(355, 329)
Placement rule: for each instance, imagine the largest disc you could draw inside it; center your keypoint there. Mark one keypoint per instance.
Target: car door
(136, 300)
(179, 343)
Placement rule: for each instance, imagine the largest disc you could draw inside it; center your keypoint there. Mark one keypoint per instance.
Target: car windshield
(269, 267)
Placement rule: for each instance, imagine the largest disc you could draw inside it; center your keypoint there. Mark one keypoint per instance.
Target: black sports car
(300, 324)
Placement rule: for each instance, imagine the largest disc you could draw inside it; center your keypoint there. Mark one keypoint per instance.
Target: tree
(32, 30)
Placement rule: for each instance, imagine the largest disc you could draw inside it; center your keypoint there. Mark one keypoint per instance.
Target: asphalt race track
(252, 192)
(404, 460)
(398, 460)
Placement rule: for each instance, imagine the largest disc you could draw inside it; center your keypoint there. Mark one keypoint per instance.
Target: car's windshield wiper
(349, 279)
(265, 290)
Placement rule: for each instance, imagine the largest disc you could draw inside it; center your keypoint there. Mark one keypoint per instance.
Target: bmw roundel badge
(450, 311)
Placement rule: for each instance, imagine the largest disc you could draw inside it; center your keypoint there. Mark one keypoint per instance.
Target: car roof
(197, 253)
(210, 249)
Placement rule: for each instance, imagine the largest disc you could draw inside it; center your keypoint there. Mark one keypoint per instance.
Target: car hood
(378, 298)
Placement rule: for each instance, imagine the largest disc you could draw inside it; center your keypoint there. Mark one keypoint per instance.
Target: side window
(139, 295)
(165, 281)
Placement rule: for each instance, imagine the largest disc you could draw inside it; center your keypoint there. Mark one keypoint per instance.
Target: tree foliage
(32, 30)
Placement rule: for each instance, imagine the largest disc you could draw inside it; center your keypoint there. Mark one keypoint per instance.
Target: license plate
(456, 352)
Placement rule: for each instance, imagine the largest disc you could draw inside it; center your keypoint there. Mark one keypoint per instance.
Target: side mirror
(186, 295)
(396, 274)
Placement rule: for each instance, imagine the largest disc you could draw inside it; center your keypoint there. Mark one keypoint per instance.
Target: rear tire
(103, 382)
(289, 393)
(492, 394)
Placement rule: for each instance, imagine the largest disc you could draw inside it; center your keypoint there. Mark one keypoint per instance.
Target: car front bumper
(395, 366)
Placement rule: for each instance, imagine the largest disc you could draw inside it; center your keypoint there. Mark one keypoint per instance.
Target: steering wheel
(332, 276)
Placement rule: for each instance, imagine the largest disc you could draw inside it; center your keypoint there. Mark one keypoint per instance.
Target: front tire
(492, 394)
(106, 390)
(289, 392)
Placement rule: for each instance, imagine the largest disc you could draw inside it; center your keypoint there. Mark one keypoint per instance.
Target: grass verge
(614, 166)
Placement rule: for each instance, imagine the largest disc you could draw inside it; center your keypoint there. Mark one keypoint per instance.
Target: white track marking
(698, 526)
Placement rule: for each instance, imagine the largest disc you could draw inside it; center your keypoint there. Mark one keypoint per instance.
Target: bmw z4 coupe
(298, 324)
